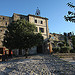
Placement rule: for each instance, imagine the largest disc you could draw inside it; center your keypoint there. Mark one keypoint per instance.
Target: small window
(41, 30)
(49, 36)
(3, 18)
(36, 30)
(1, 50)
(41, 22)
(6, 23)
(54, 34)
(0, 30)
(35, 21)
(21, 17)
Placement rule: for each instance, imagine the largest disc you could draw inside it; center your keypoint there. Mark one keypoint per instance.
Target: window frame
(0, 30)
(6, 23)
(41, 30)
(41, 22)
(35, 21)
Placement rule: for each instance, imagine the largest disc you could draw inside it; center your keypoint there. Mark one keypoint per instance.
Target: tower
(37, 13)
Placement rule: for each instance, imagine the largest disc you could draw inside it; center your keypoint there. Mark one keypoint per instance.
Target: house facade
(40, 22)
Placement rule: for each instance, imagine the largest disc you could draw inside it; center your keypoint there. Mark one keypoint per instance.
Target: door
(39, 49)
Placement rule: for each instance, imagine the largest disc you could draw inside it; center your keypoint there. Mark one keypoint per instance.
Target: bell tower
(37, 13)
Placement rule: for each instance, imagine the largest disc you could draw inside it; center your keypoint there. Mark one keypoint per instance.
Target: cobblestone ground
(37, 65)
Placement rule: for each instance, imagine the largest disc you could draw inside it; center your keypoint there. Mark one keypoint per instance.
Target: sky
(54, 10)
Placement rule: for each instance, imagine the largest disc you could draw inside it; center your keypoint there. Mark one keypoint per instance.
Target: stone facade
(58, 38)
(4, 21)
(40, 22)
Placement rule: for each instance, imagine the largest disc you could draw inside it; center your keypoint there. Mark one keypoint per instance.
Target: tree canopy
(73, 41)
(71, 15)
(20, 35)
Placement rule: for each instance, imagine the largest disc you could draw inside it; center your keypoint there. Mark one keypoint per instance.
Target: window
(36, 30)
(1, 50)
(21, 18)
(35, 21)
(0, 30)
(3, 18)
(49, 36)
(41, 22)
(41, 30)
(6, 23)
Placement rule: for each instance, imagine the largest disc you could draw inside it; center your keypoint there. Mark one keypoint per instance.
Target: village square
(29, 47)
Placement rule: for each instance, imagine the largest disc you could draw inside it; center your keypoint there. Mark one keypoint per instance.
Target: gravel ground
(37, 65)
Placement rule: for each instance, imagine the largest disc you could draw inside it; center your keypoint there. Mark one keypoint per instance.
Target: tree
(20, 35)
(60, 44)
(65, 38)
(70, 34)
(73, 41)
(71, 15)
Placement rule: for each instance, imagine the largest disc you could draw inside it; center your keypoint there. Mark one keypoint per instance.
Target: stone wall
(33, 50)
(65, 55)
(4, 21)
(19, 16)
(30, 51)
(44, 25)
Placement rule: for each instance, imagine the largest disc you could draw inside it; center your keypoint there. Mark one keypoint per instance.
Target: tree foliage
(68, 36)
(73, 41)
(71, 15)
(20, 35)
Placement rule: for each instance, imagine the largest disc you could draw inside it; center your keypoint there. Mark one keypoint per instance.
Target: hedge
(56, 49)
(65, 49)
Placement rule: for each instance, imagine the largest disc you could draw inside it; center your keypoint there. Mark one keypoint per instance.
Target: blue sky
(54, 10)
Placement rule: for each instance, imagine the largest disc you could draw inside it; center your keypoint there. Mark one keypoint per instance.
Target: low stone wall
(33, 50)
(65, 55)
(74, 58)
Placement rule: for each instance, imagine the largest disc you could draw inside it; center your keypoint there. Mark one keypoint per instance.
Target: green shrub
(65, 49)
(56, 49)
(61, 44)
(72, 51)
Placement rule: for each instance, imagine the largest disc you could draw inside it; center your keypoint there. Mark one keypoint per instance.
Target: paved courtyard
(37, 65)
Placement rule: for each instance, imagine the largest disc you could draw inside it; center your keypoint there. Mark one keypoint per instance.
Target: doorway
(39, 49)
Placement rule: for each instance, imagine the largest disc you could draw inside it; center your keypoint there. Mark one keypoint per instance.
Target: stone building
(40, 22)
(55, 39)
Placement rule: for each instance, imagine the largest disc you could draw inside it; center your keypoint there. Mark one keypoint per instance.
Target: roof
(5, 16)
(28, 15)
(19, 14)
(55, 34)
(38, 16)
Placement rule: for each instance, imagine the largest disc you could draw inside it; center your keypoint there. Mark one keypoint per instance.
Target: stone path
(37, 65)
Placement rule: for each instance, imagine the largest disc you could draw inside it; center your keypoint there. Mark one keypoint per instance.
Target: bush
(65, 49)
(56, 49)
(72, 51)
(61, 44)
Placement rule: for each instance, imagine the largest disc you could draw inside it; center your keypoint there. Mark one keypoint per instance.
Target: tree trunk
(20, 51)
(26, 53)
(9, 52)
